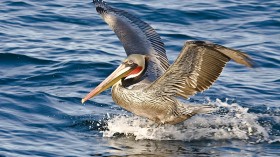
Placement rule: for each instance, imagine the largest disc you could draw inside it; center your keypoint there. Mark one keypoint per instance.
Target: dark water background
(54, 52)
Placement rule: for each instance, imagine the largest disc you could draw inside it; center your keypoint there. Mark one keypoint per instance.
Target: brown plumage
(146, 85)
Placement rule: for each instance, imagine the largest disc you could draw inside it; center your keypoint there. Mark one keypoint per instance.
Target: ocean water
(54, 52)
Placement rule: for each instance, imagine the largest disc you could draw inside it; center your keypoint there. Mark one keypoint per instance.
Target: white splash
(234, 123)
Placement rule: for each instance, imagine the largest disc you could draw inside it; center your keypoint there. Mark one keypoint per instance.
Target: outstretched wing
(136, 36)
(196, 69)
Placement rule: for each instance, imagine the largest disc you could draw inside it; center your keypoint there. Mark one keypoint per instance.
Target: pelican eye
(130, 62)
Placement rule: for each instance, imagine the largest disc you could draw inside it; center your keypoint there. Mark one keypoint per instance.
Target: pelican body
(146, 84)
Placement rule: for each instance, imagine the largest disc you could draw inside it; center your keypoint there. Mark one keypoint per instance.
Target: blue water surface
(54, 52)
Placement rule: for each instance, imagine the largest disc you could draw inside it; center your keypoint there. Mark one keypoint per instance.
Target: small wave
(19, 4)
(231, 122)
(19, 59)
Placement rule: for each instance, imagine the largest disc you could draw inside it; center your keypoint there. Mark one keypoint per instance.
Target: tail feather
(192, 110)
(205, 109)
(187, 111)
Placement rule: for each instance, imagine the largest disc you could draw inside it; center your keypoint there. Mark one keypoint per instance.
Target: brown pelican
(146, 85)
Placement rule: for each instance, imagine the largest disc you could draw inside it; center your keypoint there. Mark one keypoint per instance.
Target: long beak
(122, 71)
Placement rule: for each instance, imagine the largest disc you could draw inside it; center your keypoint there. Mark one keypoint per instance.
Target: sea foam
(230, 121)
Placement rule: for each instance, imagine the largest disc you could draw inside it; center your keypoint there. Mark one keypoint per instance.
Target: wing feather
(197, 68)
(137, 36)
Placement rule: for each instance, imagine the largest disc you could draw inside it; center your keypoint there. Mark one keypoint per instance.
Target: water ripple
(54, 52)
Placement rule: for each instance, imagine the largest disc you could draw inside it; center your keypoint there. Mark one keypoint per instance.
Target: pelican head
(133, 66)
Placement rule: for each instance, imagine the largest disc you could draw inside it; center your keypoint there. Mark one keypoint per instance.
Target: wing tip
(101, 6)
(247, 61)
(236, 55)
(98, 1)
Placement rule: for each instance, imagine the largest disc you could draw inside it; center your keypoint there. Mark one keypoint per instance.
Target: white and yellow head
(132, 67)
